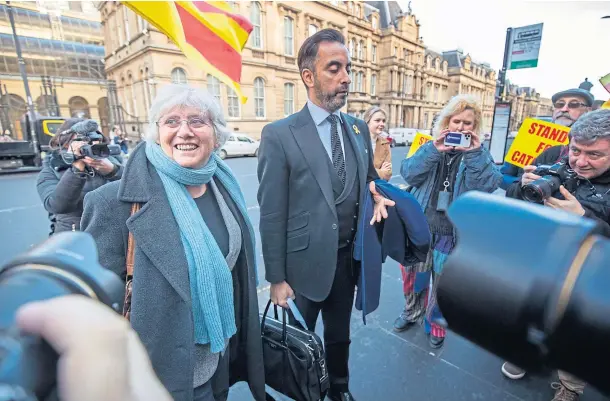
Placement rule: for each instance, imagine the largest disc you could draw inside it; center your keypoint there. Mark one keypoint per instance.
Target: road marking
(253, 207)
(18, 208)
(247, 175)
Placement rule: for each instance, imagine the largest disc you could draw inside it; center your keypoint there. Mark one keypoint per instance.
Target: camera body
(94, 148)
(458, 139)
(553, 177)
(65, 264)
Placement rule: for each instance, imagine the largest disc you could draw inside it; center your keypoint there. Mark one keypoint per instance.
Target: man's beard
(566, 120)
(330, 101)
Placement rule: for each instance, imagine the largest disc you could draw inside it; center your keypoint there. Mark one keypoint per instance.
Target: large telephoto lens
(541, 189)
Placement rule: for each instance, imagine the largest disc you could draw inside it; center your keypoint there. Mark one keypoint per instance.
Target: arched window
(352, 46)
(361, 50)
(79, 107)
(104, 112)
(11, 121)
(359, 82)
(257, 32)
(259, 97)
(288, 99)
(45, 105)
(179, 76)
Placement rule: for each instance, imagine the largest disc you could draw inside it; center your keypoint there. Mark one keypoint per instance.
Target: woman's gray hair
(592, 126)
(178, 95)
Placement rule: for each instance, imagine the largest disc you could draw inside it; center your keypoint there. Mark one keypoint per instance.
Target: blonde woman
(439, 174)
(382, 156)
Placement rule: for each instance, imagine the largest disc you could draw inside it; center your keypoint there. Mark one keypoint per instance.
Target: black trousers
(336, 312)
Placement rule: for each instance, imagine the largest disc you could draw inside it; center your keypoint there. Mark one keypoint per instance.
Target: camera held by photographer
(579, 182)
(81, 161)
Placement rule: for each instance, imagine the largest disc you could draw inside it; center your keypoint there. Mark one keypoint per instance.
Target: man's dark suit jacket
(298, 219)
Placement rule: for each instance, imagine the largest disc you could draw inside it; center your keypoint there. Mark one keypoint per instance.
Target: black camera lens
(541, 189)
(63, 265)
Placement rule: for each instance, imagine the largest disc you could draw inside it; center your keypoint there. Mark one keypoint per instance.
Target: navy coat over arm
(404, 236)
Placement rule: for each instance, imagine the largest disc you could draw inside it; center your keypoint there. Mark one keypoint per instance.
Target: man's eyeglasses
(194, 123)
(574, 104)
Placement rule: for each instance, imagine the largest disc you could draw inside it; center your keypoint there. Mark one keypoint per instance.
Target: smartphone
(458, 139)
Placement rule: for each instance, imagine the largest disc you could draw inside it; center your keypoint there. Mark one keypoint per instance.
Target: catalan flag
(208, 33)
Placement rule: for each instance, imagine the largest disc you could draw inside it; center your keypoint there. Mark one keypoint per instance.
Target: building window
(75, 6)
(79, 107)
(259, 97)
(409, 89)
(426, 120)
(214, 87)
(428, 92)
(126, 23)
(288, 36)
(288, 99)
(374, 23)
(256, 20)
(179, 76)
(352, 45)
(361, 50)
(358, 11)
(233, 103)
(374, 85)
(374, 54)
(312, 29)
(359, 82)
(351, 81)
(362, 80)
(436, 90)
(395, 51)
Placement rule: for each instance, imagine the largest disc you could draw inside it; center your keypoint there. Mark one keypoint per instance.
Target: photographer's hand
(570, 204)
(529, 175)
(75, 148)
(103, 166)
(100, 357)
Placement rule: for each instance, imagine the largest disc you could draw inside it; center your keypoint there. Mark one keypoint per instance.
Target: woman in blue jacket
(438, 175)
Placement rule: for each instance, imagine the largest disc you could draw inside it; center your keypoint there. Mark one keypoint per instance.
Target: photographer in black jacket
(66, 176)
(588, 154)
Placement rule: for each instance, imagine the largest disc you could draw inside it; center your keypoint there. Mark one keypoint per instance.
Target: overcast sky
(575, 40)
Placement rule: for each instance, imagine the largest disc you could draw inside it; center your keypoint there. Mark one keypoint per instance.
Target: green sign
(525, 47)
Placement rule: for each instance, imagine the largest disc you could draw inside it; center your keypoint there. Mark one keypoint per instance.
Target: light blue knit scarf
(210, 277)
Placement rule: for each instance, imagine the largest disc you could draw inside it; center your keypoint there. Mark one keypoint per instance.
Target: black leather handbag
(295, 362)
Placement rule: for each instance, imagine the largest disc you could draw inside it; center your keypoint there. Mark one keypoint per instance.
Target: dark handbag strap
(295, 313)
(131, 244)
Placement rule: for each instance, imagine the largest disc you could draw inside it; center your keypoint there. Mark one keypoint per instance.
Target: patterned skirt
(420, 284)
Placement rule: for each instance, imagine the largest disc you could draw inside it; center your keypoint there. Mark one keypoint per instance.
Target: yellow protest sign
(606, 105)
(419, 140)
(533, 138)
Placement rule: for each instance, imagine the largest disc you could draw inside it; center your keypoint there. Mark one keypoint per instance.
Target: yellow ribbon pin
(356, 130)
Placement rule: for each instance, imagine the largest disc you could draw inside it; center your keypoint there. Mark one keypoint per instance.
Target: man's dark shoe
(436, 342)
(338, 396)
(402, 323)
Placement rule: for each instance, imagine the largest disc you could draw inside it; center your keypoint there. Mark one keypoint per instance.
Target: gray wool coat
(161, 301)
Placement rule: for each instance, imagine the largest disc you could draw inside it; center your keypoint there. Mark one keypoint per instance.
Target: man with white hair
(589, 156)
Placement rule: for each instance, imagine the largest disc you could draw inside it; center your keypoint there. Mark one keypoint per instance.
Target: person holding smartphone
(453, 163)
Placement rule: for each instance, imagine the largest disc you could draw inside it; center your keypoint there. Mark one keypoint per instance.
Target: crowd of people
(179, 210)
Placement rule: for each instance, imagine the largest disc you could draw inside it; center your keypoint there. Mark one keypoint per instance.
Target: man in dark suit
(314, 168)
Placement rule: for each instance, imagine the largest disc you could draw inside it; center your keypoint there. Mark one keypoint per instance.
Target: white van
(403, 136)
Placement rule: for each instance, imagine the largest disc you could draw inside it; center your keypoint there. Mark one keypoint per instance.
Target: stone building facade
(62, 45)
(391, 66)
(525, 103)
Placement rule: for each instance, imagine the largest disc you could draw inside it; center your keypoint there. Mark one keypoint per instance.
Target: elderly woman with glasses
(194, 301)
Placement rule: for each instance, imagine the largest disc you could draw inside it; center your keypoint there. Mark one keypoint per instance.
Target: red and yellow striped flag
(208, 33)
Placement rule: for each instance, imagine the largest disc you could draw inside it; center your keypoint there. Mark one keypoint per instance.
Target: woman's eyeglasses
(194, 123)
(571, 105)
